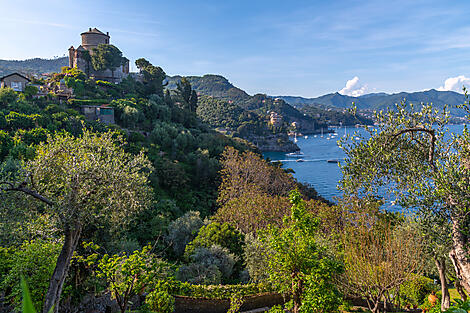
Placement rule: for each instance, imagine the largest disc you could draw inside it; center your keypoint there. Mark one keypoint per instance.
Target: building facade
(80, 57)
(15, 81)
(103, 113)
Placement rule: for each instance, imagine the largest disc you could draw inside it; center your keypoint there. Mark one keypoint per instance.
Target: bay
(314, 168)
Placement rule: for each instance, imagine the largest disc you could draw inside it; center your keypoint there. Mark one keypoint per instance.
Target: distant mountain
(32, 66)
(380, 101)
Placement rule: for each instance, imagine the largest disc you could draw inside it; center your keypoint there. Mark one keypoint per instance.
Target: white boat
(306, 137)
(295, 155)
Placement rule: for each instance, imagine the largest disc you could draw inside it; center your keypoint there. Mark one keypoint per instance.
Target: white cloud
(455, 84)
(354, 88)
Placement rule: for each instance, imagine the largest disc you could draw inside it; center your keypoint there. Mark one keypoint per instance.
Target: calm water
(323, 176)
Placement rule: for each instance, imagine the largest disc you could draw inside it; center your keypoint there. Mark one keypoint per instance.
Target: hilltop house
(103, 113)
(15, 81)
(79, 57)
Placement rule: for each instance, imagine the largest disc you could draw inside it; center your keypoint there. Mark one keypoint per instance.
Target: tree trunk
(441, 267)
(460, 290)
(56, 283)
(459, 256)
(297, 287)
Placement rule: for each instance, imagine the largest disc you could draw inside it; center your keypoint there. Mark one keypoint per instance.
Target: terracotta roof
(2, 78)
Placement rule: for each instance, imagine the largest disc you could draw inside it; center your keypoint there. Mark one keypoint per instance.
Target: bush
(6, 144)
(182, 230)
(35, 260)
(200, 274)
(414, 292)
(255, 258)
(215, 233)
(215, 255)
(160, 300)
(7, 96)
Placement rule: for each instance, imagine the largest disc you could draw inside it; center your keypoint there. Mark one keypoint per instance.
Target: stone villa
(91, 39)
(15, 81)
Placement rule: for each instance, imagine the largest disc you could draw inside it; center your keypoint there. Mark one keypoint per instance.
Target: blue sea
(315, 170)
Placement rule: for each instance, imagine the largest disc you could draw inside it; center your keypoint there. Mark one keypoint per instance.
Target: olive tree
(412, 154)
(82, 179)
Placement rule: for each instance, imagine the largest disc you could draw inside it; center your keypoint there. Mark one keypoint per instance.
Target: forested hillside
(33, 66)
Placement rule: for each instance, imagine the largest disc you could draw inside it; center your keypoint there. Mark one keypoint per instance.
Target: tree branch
(430, 132)
(22, 188)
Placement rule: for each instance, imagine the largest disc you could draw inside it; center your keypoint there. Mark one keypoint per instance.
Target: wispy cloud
(36, 22)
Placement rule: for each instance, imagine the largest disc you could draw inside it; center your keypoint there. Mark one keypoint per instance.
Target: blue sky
(305, 48)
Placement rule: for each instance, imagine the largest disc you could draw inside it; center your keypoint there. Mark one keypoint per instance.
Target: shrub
(182, 230)
(160, 300)
(36, 261)
(19, 120)
(130, 275)
(215, 255)
(414, 292)
(6, 144)
(195, 273)
(215, 233)
(255, 258)
(7, 96)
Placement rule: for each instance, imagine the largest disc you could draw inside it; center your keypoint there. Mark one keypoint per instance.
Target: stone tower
(91, 39)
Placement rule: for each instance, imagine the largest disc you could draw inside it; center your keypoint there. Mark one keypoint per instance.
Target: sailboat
(321, 132)
(295, 137)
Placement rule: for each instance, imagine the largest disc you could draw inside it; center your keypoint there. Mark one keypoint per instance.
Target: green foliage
(7, 96)
(131, 275)
(415, 291)
(215, 233)
(209, 266)
(30, 91)
(27, 305)
(6, 144)
(153, 78)
(160, 299)
(236, 302)
(183, 230)
(73, 72)
(220, 113)
(297, 265)
(35, 260)
(107, 180)
(105, 57)
(432, 308)
(325, 117)
(19, 120)
(459, 306)
(255, 258)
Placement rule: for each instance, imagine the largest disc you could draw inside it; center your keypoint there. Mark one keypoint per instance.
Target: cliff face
(273, 143)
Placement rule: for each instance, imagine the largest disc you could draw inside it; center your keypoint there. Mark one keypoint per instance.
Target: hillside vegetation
(33, 66)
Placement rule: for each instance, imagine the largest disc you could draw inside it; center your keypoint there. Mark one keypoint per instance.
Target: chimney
(89, 29)
(107, 34)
